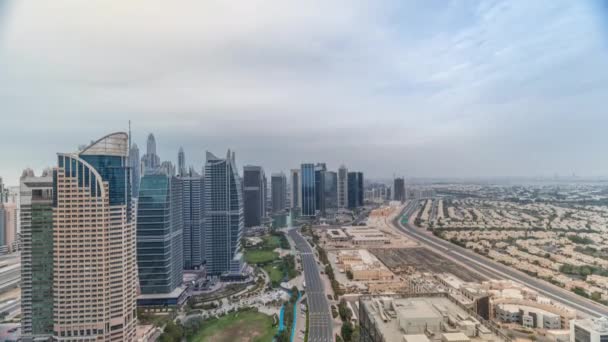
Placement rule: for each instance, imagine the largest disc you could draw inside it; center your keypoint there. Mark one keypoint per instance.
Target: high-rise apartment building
(159, 235)
(342, 187)
(192, 214)
(181, 162)
(224, 218)
(94, 245)
(307, 172)
(278, 184)
(331, 190)
(37, 257)
(296, 189)
(254, 195)
(167, 168)
(135, 164)
(150, 161)
(399, 189)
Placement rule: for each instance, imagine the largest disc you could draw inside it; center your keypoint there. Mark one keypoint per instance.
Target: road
(494, 270)
(319, 316)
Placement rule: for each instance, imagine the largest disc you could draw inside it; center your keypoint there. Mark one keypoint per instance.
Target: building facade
(278, 186)
(307, 172)
(254, 195)
(37, 257)
(589, 330)
(192, 214)
(296, 189)
(355, 190)
(399, 189)
(159, 234)
(342, 187)
(331, 190)
(135, 164)
(224, 217)
(94, 246)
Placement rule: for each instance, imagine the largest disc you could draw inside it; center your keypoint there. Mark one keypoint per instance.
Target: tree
(349, 275)
(347, 331)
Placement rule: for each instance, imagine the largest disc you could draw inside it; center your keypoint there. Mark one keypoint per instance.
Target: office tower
(3, 246)
(278, 183)
(254, 195)
(37, 257)
(399, 189)
(135, 164)
(150, 161)
(167, 168)
(159, 236)
(342, 187)
(94, 255)
(320, 170)
(331, 190)
(307, 172)
(355, 189)
(360, 189)
(2, 192)
(224, 219)
(192, 214)
(181, 162)
(296, 193)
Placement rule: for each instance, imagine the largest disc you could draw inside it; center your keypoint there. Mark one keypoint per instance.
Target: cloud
(286, 81)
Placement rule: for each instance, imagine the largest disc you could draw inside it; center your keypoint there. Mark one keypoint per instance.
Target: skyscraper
(167, 168)
(150, 161)
(224, 218)
(307, 172)
(159, 236)
(355, 190)
(135, 164)
(342, 187)
(192, 214)
(399, 189)
(278, 183)
(181, 162)
(331, 190)
(94, 256)
(37, 257)
(296, 189)
(254, 195)
(320, 170)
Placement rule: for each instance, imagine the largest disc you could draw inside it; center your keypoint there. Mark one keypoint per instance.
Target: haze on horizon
(417, 88)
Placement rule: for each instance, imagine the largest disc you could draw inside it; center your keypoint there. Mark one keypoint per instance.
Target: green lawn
(245, 326)
(260, 256)
(275, 273)
(271, 242)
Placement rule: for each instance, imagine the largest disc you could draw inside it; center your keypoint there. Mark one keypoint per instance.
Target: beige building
(10, 224)
(94, 261)
(363, 265)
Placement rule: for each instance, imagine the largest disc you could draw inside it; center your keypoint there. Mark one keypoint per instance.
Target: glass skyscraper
(355, 190)
(278, 185)
(94, 246)
(254, 195)
(135, 164)
(37, 257)
(192, 214)
(331, 190)
(307, 177)
(159, 234)
(224, 217)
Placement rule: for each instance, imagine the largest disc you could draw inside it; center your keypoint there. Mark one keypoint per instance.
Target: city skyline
(464, 89)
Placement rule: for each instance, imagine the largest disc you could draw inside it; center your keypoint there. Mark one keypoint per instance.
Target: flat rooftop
(386, 313)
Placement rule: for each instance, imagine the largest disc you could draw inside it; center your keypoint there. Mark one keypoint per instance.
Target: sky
(429, 88)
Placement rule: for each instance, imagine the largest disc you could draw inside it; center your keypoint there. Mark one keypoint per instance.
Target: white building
(589, 330)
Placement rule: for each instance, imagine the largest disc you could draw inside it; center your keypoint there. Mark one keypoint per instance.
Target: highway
(494, 270)
(319, 316)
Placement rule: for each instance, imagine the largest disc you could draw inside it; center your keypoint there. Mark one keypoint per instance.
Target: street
(320, 320)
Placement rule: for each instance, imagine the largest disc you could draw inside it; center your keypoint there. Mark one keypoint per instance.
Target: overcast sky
(415, 88)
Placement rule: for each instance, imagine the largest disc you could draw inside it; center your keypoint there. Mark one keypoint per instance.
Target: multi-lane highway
(320, 321)
(494, 270)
